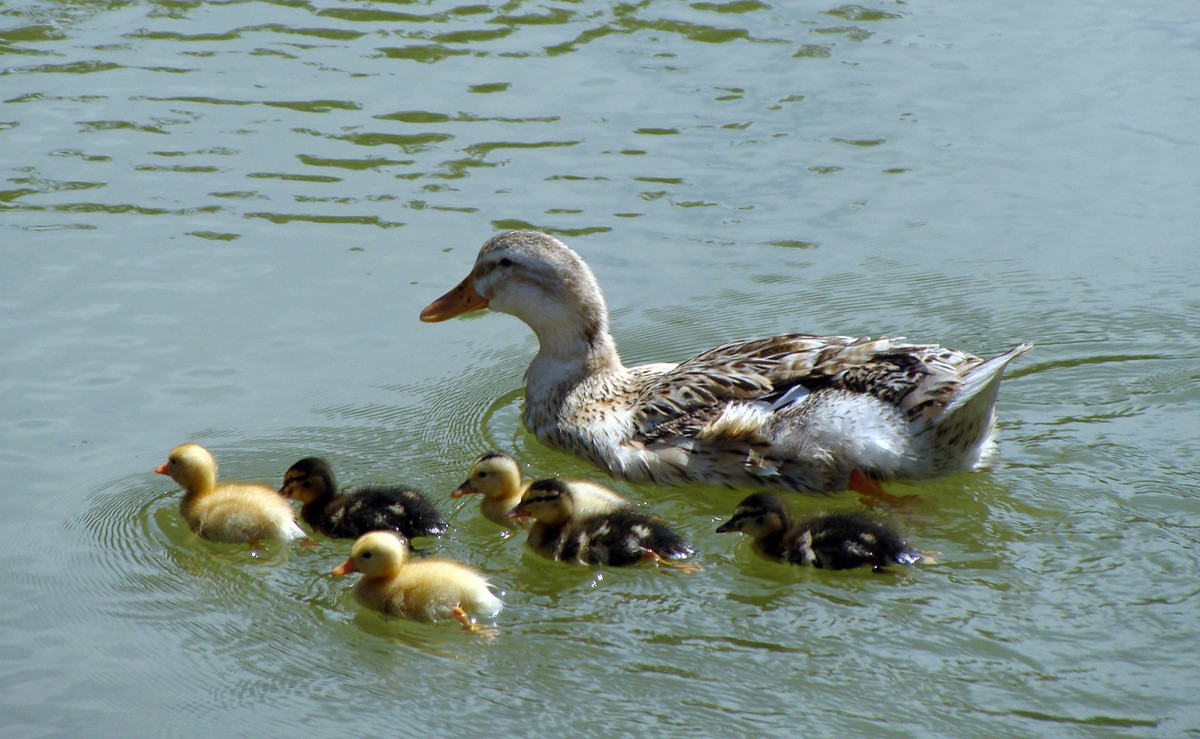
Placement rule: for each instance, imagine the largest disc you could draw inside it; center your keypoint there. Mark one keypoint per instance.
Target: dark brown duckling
(565, 531)
(359, 511)
(835, 541)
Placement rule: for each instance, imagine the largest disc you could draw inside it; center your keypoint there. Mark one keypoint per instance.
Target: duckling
(424, 590)
(497, 477)
(618, 537)
(837, 541)
(229, 512)
(797, 412)
(359, 511)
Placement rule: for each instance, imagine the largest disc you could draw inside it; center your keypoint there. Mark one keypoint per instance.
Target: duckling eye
(506, 262)
(483, 474)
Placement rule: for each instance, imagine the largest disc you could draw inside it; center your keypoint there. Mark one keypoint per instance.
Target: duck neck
(572, 353)
(196, 486)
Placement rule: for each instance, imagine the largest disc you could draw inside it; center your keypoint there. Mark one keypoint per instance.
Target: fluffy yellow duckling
(231, 511)
(497, 477)
(423, 590)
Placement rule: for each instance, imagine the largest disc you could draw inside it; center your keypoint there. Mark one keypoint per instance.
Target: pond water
(219, 221)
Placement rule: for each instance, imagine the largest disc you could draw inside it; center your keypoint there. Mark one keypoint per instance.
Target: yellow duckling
(497, 477)
(423, 590)
(619, 537)
(231, 511)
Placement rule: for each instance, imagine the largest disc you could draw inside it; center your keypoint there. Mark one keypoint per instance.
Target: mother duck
(791, 412)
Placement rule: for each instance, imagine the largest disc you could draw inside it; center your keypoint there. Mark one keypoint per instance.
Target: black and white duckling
(423, 590)
(836, 541)
(358, 511)
(619, 537)
(229, 511)
(497, 477)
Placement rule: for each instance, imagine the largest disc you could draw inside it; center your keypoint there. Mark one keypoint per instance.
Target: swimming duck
(423, 590)
(359, 511)
(230, 511)
(836, 541)
(619, 537)
(497, 477)
(792, 412)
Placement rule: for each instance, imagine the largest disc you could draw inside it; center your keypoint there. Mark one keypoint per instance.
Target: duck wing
(922, 380)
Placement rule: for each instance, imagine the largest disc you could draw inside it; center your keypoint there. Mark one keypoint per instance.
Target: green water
(219, 221)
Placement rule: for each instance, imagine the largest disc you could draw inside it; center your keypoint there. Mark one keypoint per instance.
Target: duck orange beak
(345, 568)
(464, 489)
(161, 469)
(459, 300)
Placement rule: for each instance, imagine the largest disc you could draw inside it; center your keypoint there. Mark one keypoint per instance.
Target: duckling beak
(731, 525)
(459, 300)
(161, 469)
(518, 512)
(464, 489)
(345, 568)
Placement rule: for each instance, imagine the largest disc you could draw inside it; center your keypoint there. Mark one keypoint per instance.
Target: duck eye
(506, 262)
(483, 474)
(366, 555)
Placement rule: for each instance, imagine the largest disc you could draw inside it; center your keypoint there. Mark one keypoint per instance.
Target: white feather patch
(738, 421)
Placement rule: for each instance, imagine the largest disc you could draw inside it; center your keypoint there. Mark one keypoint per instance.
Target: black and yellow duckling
(357, 512)
(835, 541)
(619, 536)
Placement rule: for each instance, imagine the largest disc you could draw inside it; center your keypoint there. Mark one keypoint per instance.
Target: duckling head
(541, 281)
(759, 515)
(494, 475)
(191, 466)
(547, 501)
(308, 481)
(376, 554)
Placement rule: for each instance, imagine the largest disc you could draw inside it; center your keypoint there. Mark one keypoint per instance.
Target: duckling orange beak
(459, 300)
(161, 469)
(345, 568)
(464, 489)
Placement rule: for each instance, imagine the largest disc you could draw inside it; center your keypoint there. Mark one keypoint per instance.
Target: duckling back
(840, 541)
(380, 508)
(431, 589)
(237, 512)
(618, 538)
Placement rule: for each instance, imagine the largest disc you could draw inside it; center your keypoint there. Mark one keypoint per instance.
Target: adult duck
(794, 412)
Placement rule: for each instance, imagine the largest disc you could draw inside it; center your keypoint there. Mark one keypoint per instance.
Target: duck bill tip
(462, 298)
(345, 568)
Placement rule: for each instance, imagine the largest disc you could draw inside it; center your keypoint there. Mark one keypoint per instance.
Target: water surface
(220, 220)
